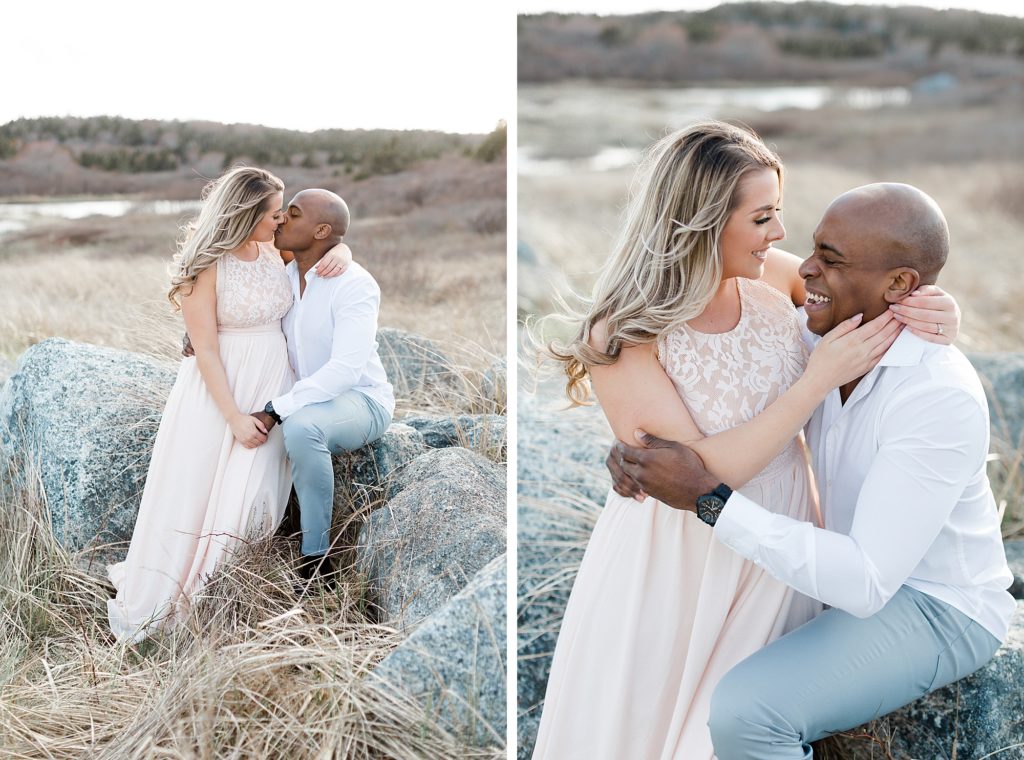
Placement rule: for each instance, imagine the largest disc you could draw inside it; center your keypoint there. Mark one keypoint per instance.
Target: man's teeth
(815, 298)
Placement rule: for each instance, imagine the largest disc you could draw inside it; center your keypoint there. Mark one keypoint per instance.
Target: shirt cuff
(284, 406)
(741, 525)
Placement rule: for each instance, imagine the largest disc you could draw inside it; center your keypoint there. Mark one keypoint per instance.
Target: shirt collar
(906, 351)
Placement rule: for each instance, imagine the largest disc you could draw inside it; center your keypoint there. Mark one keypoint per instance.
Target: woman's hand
(248, 431)
(334, 262)
(930, 313)
(847, 352)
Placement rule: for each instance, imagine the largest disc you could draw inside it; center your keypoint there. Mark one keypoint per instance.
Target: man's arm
(932, 443)
(355, 330)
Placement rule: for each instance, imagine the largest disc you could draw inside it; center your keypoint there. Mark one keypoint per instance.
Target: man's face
(296, 227)
(846, 274)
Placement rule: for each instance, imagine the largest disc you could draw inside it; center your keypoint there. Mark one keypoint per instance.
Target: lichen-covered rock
(1003, 377)
(482, 433)
(83, 418)
(562, 485)
(362, 476)
(444, 520)
(416, 366)
(494, 386)
(453, 664)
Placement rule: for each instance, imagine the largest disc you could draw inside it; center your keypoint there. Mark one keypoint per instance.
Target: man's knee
(743, 717)
(301, 432)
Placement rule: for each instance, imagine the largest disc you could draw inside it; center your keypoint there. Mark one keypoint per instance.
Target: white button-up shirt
(332, 340)
(904, 493)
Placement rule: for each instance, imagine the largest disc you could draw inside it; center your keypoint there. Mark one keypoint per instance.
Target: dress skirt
(205, 492)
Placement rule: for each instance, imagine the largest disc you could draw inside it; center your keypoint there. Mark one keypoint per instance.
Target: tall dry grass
(251, 672)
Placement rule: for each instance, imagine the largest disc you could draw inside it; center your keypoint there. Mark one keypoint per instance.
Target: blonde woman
(215, 475)
(692, 335)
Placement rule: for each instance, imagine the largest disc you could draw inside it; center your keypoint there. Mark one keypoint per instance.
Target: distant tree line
(112, 143)
(710, 44)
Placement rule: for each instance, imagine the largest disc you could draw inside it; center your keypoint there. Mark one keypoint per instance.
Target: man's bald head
(903, 225)
(325, 207)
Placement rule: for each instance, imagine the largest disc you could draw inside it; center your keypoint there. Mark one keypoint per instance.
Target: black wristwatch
(710, 505)
(269, 409)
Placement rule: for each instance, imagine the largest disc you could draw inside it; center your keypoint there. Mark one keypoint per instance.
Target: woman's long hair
(232, 206)
(667, 262)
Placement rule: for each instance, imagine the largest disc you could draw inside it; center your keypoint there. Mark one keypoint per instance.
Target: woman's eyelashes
(766, 219)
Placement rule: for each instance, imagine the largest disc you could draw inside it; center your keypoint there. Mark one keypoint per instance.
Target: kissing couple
(280, 357)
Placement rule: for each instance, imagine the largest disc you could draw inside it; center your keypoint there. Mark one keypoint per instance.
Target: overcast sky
(447, 65)
(615, 7)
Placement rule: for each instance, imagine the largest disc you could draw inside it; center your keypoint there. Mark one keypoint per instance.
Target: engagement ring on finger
(938, 329)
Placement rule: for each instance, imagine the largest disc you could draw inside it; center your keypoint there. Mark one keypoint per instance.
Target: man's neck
(307, 259)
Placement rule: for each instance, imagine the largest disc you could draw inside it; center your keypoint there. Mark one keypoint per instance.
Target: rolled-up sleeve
(930, 445)
(355, 313)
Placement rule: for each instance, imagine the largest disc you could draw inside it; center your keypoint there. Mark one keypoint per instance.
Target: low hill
(772, 41)
(109, 154)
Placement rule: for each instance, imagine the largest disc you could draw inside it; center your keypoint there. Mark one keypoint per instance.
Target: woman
(696, 308)
(215, 476)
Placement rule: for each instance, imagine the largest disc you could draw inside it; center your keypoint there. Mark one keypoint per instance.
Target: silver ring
(938, 329)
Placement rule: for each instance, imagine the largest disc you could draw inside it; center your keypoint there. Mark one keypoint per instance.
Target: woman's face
(264, 230)
(753, 226)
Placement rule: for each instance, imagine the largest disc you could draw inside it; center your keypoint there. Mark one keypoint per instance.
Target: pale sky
(619, 7)
(300, 64)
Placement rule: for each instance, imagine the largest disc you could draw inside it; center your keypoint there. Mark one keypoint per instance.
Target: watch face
(709, 507)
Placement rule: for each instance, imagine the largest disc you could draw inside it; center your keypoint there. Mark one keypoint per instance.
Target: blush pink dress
(205, 492)
(660, 611)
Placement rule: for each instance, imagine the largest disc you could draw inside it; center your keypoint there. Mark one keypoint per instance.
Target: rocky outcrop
(83, 419)
(454, 665)
(562, 485)
(444, 520)
(1003, 377)
(494, 386)
(417, 367)
(483, 433)
(1015, 559)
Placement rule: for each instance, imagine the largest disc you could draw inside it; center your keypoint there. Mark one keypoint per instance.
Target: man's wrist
(269, 411)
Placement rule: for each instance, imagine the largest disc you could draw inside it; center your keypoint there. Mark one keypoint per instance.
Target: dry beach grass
(250, 674)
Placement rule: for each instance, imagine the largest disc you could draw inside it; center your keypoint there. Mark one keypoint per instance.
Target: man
(342, 399)
(911, 560)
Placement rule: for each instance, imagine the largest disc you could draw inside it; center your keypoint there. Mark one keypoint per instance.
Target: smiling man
(910, 560)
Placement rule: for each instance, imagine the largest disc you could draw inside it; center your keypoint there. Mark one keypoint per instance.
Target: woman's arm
(333, 263)
(636, 393)
(199, 308)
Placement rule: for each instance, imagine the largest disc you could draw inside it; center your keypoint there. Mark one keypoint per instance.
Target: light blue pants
(311, 436)
(839, 671)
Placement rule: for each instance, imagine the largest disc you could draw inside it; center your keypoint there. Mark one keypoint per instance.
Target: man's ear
(900, 284)
(322, 231)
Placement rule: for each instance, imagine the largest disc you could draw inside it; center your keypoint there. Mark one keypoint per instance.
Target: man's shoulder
(942, 371)
(352, 286)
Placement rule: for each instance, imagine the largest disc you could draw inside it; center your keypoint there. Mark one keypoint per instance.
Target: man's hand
(186, 347)
(670, 472)
(266, 419)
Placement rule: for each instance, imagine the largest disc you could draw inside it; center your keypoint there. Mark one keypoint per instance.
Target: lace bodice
(725, 379)
(251, 293)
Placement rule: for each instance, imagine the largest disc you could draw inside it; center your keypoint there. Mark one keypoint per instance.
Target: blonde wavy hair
(667, 261)
(232, 206)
